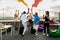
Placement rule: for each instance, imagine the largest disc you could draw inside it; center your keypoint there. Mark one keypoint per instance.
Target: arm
(20, 15)
(15, 14)
(38, 20)
(28, 11)
(32, 11)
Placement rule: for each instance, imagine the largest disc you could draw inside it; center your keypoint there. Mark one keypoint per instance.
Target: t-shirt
(23, 18)
(46, 19)
(36, 19)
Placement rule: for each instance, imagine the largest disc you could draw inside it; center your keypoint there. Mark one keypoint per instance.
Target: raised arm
(32, 11)
(28, 11)
(15, 15)
(20, 15)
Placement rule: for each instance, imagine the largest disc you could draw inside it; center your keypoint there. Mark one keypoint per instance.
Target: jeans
(46, 27)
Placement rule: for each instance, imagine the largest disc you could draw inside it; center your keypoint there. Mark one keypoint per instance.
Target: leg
(36, 28)
(44, 31)
(31, 24)
(16, 28)
(47, 28)
(25, 27)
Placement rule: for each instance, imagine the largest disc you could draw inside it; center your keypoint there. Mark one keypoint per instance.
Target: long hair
(47, 13)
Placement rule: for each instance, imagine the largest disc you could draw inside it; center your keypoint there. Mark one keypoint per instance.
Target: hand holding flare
(23, 2)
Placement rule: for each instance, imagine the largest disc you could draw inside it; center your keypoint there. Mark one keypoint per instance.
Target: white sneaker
(44, 33)
(47, 35)
(36, 34)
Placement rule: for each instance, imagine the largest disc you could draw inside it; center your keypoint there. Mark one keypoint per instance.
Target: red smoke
(36, 2)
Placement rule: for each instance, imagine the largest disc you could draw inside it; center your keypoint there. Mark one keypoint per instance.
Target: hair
(47, 13)
(24, 12)
(36, 13)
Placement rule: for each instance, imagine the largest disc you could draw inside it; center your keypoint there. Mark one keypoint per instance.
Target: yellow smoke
(23, 2)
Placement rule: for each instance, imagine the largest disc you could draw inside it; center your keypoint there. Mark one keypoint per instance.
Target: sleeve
(33, 15)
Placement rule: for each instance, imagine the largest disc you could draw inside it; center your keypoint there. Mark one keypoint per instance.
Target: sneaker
(47, 35)
(22, 35)
(36, 34)
(44, 33)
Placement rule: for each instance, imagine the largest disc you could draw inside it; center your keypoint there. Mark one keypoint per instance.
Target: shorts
(35, 27)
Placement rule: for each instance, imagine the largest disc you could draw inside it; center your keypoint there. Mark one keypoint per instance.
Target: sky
(8, 7)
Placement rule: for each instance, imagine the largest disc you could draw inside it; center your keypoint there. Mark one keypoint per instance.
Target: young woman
(16, 21)
(30, 21)
(46, 24)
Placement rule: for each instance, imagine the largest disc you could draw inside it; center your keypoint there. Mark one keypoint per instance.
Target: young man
(36, 21)
(24, 19)
(46, 24)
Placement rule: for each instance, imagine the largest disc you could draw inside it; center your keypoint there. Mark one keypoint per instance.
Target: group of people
(30, 20)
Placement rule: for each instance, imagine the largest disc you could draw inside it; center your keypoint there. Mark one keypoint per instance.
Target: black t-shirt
(46, 19)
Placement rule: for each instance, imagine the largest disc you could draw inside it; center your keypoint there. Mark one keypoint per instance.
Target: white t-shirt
(23, 18)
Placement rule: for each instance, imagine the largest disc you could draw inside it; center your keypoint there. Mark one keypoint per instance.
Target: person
(24, 19)
(36, 21)
(16, 21)
(46, 24)
(30, 21)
